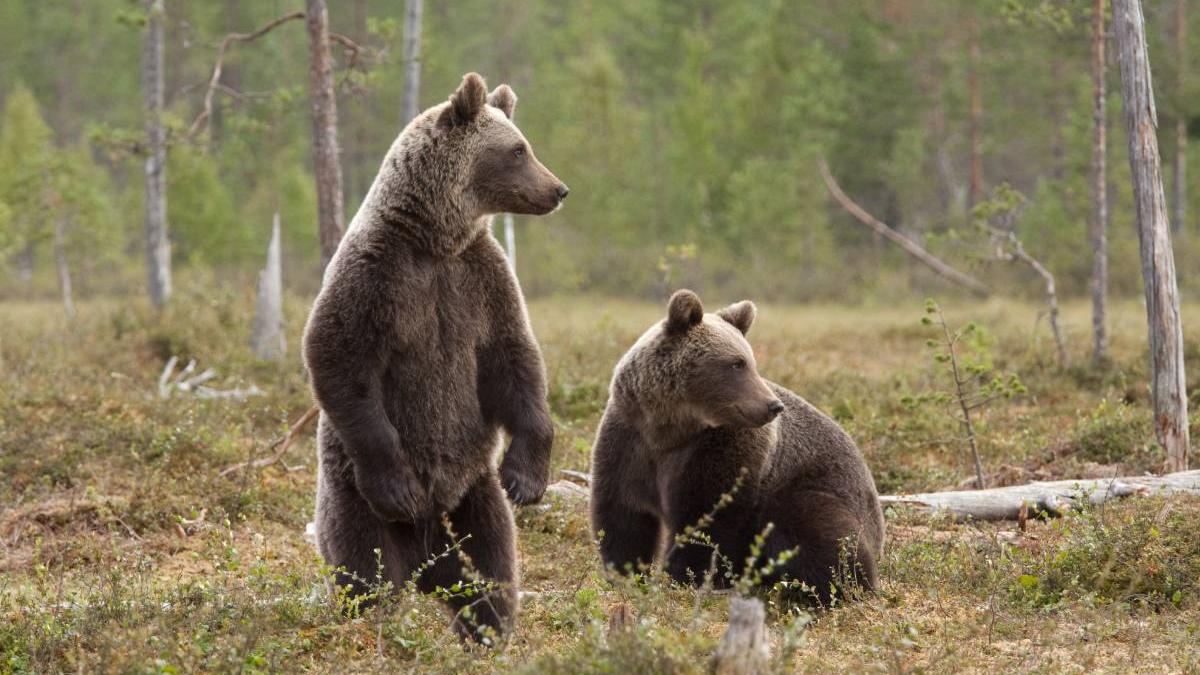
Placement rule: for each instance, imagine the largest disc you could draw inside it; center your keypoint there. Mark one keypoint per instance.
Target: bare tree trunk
(60, 263)
(1168, 384)
(410, 99)
(326, 167)
(267, 339)
(1098, 227)
(1181, 139)
(158, 248)
(24, 261)
(976, 114)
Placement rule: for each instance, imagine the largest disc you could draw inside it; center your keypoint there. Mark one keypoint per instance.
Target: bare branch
(281, 446)
(201, 122)
(910, 247)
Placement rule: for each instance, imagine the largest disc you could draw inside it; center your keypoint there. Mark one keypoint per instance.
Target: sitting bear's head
(695, 370)
(460, 161)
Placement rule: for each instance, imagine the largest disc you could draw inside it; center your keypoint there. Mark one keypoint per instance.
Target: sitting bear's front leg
(708, 525)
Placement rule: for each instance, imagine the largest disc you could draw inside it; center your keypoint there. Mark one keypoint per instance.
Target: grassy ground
(124, 550)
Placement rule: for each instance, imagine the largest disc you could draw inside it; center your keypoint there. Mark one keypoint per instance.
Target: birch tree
(158, 248)
(410, 97)
(1168, 385)
(1098, 223)
(1181, 135)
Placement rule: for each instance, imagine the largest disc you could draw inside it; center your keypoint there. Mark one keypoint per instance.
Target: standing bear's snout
(563, 191)
(773, 409)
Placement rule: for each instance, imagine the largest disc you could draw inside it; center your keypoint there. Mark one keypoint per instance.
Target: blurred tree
(158, 246)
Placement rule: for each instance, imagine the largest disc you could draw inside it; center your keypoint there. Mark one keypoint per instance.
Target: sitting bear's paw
(394, 495)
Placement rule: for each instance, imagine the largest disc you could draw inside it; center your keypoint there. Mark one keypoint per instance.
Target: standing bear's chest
(444, 317)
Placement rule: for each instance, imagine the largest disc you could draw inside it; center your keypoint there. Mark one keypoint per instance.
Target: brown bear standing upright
(687, 416)
(420, 350)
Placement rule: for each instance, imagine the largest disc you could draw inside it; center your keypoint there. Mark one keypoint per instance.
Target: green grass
(123, 550)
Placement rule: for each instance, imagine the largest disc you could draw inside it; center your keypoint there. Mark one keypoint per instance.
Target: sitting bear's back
(813, 452)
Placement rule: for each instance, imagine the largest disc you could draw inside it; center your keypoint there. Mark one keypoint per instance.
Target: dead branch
(170, 381)
(280, 446)
(1009, 248)
(908, 245)
(201, 122)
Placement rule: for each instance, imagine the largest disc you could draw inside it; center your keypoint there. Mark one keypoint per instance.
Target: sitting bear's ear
(466, 103)
(504, 98)
(740, 314)
(683, 312)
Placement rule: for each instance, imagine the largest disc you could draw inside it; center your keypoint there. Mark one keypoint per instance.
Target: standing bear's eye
(739, 364)
(519, 152)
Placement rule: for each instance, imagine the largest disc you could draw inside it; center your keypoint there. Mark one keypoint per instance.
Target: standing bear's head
(694, 370)
(459, 162)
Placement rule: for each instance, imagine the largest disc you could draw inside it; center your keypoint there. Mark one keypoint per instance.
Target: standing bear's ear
(683, 312)
(465, 103)
(740, 314)
(505, 99)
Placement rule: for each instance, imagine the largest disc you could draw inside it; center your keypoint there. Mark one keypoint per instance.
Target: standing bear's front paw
(525, 470)
(393, 495)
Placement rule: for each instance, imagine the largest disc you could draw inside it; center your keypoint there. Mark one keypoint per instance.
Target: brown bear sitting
(688, 416)
(420, 351)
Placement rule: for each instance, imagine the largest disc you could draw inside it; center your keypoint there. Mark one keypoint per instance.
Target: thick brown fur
(687, 416)
(420, 351)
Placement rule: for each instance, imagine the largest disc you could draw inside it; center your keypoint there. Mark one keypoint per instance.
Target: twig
(201, 122)
(910, 247)
(280, 446)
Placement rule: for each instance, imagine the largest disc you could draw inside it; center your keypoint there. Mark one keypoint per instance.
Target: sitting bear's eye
(739, 364)
(519, 152)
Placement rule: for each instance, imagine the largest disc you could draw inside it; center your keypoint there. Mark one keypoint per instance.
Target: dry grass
(123, 550)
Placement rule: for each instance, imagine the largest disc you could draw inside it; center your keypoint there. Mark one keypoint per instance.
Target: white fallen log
(184, 382)
(1050, 498)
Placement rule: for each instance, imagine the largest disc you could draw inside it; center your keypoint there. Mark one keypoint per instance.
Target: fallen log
(1049, 498)
(1052, 498)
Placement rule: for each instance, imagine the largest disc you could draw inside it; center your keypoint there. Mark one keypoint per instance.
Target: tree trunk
(158, 248)
(1168, 385)
(60, 263)
(326, 167)
(267, 339)
(24, 262)
(410, 98)
(1181, 139)
(1098, 227)
(976, 114)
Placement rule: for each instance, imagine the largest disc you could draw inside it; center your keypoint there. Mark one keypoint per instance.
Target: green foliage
(1148, 554)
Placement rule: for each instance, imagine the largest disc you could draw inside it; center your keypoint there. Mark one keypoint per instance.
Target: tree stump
(744, 649)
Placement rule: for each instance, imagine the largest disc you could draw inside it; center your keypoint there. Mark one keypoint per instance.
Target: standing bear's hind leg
(484, 561)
